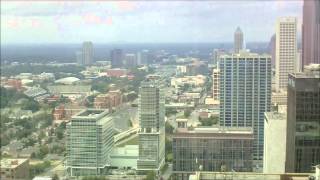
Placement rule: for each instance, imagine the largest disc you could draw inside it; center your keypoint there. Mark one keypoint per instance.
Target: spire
(238, 30)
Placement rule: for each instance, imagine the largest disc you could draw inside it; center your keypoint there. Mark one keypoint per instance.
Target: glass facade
(212, 151)
(245, 94)
(89, 143)
(303, 122)
(151, 121)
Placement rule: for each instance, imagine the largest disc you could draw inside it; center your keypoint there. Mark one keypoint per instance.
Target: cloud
(141, 21)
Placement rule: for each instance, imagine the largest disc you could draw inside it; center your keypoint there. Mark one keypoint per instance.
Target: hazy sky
(142, 21)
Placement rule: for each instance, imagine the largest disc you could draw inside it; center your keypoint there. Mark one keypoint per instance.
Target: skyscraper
(116, 56)
(130, 60)
(89, 143)
(79, 58)
(238, 40)
(152, 129)
(303, 120)
(311, 32)
(245, 93)
(286, 50)
(87, 53)
(272, 49)
(215, 83)
(144, 57)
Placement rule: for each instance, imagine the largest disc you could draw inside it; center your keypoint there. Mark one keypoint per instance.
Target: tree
(151, 175)
(168, 149)
(55, 177)
(168, 128)
(187, 113)
(60, 130)
(43, 151)
(132, 96)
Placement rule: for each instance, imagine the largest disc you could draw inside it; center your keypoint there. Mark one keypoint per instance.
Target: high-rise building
(303, 120)
(89, 143)
(274, 142)
(116, 56)
(215, 55)
(272, 50)
(130, 60)
(87, 53)
(215, 83)
(152, 129)
(211, 149)
(79, 58)
(144, 57)
(311, 32)
(245, 93)
(298, 62)
(286, 50)
(238, 40)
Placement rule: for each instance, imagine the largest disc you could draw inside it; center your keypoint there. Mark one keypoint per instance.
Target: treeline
(37, 69)
(9, 97)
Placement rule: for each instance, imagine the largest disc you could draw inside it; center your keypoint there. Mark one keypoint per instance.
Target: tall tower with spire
(238, 40)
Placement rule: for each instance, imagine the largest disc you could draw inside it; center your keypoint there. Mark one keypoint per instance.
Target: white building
(196, 81)
(275, 129)
(286, 50)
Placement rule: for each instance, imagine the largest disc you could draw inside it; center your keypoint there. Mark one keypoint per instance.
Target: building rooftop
(275, 116)
(310, 71)
(245, 54)
(12, 163)
(67, 80)
(217, 133)
(92, 114)
(247, 176)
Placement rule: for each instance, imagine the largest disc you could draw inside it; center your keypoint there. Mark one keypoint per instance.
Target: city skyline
(141, 22)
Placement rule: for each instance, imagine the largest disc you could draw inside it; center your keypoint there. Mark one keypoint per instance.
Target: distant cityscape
(176, 111)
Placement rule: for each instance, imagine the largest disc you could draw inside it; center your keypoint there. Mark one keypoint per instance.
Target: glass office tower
(245, 93)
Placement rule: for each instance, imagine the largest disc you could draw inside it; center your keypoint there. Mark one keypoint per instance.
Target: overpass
(121, 136)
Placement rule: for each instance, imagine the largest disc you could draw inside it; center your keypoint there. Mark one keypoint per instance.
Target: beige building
(238, 40)
(286, 50)
(274, 142)
(196, 81)
(215, 84)
(14, 169)
(279, 97)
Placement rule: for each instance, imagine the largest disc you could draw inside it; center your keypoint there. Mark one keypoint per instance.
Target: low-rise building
(14, 169)
(14, 83)
(211, 149)
(206, 175)
(109, 100)
(195, 81)
(116, 72)
(35, 92)
(59, 112)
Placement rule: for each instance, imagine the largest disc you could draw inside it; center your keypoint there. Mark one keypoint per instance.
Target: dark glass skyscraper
(311, 32)
(116, 56)
(303, 120)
